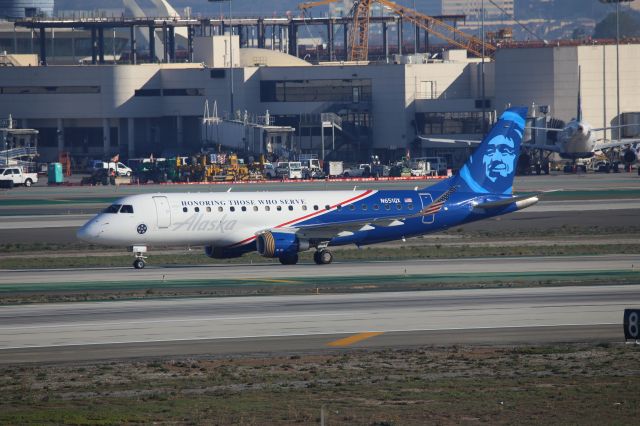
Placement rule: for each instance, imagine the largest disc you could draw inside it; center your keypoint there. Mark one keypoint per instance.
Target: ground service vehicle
(363, 170)
(16, 175)
(336, 168)
(120, 168)
(436, 164)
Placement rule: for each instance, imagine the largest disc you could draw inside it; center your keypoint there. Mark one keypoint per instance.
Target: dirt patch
(445, 385)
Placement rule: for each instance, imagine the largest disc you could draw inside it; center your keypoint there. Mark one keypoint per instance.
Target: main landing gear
(289, 259)
(322, 257)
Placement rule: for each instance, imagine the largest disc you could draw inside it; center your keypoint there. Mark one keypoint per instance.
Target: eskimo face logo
(500, 158)
(142, 228)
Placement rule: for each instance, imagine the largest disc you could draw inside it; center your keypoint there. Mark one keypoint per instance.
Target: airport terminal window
(146, 92)
(322, 90)
(443, 123)
(113, 208)
(126, 209)
(43, 90)
(183, 92)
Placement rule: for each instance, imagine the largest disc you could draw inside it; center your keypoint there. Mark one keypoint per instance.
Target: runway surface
(240, 272)
(280, 324)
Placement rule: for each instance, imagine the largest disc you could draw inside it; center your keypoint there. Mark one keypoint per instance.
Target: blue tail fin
(492, 166)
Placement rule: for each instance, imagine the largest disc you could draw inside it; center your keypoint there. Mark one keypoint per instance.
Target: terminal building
(96, 110)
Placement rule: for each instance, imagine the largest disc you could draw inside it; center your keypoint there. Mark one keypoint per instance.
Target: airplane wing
(327, 231)
(600, 129)
(615, 144)
(450, 141)
(546, 129)
(542, 147)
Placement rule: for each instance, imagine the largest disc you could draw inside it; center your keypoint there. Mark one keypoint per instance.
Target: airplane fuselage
(231, 221)
(577, 141)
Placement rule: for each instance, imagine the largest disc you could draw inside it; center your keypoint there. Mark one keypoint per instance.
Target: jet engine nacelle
(277, 244)
(222, 253)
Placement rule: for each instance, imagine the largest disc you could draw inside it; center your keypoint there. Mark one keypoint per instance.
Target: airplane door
(163, 211)
(426, 199)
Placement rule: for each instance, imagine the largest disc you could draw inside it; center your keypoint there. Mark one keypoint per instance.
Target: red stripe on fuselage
(310, 215)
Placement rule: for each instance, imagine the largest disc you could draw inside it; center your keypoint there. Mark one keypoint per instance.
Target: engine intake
(276, 244)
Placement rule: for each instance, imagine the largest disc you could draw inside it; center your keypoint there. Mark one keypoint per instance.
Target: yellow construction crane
(359, 37)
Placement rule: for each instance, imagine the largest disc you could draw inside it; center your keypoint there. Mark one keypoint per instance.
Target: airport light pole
(231, 106)
(484, 101)
(617, 2)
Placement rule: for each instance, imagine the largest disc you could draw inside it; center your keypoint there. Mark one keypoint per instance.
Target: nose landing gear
(138, 252)
(139, 263)
(322, 257)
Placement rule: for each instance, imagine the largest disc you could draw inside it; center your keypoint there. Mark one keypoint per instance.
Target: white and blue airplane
(282, 224)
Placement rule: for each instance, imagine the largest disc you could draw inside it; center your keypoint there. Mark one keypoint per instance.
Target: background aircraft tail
(492, 166)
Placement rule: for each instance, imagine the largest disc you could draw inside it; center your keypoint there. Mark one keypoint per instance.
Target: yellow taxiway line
(354, 339)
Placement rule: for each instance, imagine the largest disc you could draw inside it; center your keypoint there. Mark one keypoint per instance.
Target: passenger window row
(352, 207)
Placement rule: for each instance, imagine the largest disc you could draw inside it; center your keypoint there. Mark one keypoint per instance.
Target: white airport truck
(16, 175)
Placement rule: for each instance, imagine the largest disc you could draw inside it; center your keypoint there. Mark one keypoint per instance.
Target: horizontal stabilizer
(522, 202)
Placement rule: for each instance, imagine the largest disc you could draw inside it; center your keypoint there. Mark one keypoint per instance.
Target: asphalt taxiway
(282, 324)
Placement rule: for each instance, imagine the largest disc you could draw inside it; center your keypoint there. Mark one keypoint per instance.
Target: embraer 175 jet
(282, 224)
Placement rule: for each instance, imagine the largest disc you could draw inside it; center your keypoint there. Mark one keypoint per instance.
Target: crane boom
(441, 29)
(359, 37)
(310, 4)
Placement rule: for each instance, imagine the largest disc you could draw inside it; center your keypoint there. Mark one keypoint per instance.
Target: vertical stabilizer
(579, 114)
(492, 166)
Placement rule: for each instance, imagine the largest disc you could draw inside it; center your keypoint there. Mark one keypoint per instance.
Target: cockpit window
(113, 208)
(126, 208)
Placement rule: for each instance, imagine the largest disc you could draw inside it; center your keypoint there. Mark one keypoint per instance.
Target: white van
(120, 168)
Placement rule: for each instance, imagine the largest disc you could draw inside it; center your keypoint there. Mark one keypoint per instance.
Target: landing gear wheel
(138, 263)
(290, 259)
(322, 257)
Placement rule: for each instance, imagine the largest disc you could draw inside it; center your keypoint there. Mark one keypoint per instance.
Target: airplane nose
(83, 232)
(89, 232)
